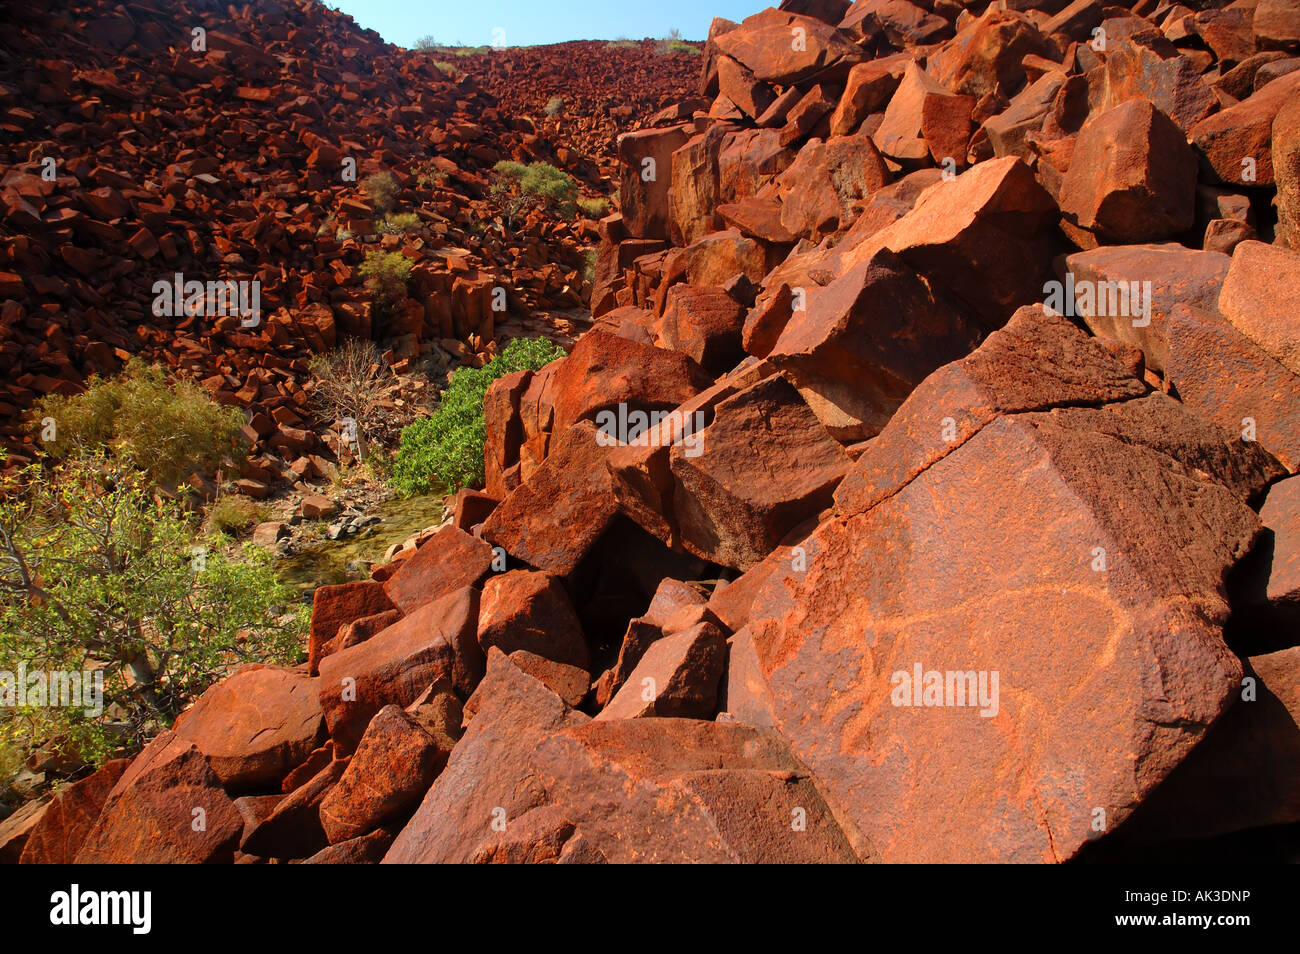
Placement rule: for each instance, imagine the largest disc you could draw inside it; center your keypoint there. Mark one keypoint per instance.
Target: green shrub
(399, 223)
(594, 208)
(444, 451)
(673, 43)
(383, 190)
(450, 70)
(386, 275)
(233, 514)
(167, 430)
(623, 43)
(519, 187)
(97, 573)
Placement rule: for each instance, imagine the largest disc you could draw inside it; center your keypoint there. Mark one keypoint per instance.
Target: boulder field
(926, 490)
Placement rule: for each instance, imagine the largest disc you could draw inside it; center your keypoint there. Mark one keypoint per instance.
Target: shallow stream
(338, 561)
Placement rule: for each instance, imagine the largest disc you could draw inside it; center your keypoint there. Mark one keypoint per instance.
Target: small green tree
(383, 190)
(98, 573)
(444, 451)
(167, 430)
(386, 275)
(518, 187)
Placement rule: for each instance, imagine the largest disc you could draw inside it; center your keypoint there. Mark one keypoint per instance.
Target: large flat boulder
(255, 726)
(907, 661)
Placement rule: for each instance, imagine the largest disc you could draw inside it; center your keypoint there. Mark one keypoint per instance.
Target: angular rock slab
(1246, 774)
(63, 827)
(1133, 176)
(1224, 376)
(167, 808)
(334, 606)
(982, 561)
(447, 561)
(525, 609)
(1177, 275)
(982, 237)
(1260, 298)
(677, 676)
(437, 641)
(554, 519)
(865, 340)
(763, 466)
(394, 765)
(255, 726)
(630, 790)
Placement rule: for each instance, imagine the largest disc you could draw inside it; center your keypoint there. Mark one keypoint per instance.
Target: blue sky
(528, 22)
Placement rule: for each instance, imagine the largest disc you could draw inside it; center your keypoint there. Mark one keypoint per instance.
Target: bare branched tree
(353, 383)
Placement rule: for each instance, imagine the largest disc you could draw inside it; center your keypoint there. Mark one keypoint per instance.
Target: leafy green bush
(450, 70)
(399, 223)
(386, 275)
(519, 187)
(594, 208)
(96, 573)
(383, 190)
(167, 430)
(623, 43)
(444, 451)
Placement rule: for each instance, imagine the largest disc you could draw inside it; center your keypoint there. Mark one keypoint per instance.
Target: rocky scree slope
(951, 551)
(136, 149)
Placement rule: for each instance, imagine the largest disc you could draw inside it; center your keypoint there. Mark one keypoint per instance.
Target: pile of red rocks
(879, 518)
(146, 140)
(586, 92)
